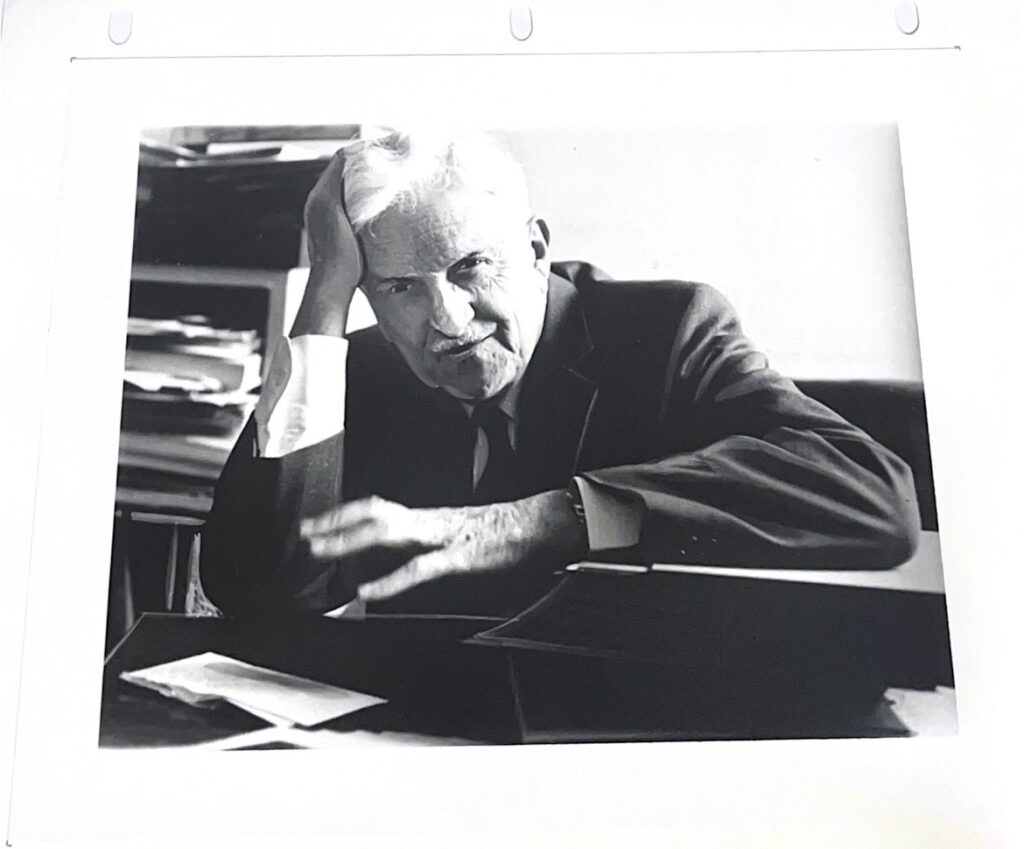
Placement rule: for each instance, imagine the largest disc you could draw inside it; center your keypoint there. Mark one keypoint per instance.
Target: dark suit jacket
(647, 388)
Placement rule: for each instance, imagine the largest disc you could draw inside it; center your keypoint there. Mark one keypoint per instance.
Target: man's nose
(451, 307)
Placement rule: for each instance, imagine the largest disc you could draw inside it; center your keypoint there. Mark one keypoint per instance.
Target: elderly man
(509, 415)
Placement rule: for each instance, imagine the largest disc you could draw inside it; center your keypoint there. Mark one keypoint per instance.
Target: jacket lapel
(557, 397)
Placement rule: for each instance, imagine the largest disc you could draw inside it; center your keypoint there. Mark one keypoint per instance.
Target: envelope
(275, 697)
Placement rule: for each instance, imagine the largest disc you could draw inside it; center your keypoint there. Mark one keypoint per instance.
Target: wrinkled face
(459, 287)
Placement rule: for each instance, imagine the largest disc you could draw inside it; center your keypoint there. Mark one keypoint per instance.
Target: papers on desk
(275, 697)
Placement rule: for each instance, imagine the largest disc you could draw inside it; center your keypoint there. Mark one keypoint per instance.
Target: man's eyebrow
(413, 278)
(470, 255)
(383, 281)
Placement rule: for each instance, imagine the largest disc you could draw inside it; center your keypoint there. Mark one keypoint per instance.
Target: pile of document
(188, 390)
(275, 697)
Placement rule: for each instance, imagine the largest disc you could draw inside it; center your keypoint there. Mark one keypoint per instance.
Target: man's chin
(473, 393)
(475, 384)
(474, 387)
(463, 386)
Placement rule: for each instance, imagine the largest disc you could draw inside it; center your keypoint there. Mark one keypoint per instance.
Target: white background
(802, 228)
(961, 138)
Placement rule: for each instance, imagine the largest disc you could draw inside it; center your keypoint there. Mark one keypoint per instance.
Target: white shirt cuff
(303, 402)
(613, 521)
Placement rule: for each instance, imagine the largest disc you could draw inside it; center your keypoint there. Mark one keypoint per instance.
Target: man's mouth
(457, 349)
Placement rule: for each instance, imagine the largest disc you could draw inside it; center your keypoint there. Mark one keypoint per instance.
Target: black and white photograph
(440, 436)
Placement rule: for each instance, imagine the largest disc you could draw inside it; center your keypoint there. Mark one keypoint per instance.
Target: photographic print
(500, 436)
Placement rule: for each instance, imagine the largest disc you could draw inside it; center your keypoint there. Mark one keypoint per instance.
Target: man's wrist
(554, 526)
(325, 304)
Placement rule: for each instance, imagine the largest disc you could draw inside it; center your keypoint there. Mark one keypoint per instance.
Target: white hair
(387, 168)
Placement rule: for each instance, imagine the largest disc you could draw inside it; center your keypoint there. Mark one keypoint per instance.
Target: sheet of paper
(275, 697)
(925, 712)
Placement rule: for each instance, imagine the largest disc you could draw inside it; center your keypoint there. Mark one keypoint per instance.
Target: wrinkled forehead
(439, 228)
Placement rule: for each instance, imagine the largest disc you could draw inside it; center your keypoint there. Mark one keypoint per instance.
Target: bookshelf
(169, 459)
(218, 236)
(217, 265)
(233, 297)
(167, 470)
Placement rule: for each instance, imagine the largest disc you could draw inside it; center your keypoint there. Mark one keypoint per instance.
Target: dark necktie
(497, 481)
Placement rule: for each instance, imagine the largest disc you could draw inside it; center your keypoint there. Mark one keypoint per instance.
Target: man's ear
(540, 240)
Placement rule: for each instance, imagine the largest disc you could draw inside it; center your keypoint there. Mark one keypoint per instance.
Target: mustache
(473, 336)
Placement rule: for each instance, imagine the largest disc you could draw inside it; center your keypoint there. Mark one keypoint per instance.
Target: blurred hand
(448, 540)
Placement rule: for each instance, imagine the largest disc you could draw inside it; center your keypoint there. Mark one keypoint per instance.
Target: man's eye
(471, 262)
(399, 286)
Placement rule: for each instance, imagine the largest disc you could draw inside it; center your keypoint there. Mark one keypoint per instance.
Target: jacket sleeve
(252, 559)
(753, 472)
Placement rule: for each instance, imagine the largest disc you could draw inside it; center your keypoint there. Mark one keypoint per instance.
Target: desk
(437, 688)
(440, 690)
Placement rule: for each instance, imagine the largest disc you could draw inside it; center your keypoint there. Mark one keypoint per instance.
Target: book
(670, 655)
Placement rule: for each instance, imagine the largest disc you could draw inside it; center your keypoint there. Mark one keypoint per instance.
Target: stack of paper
(188, 388)
(275, 697)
